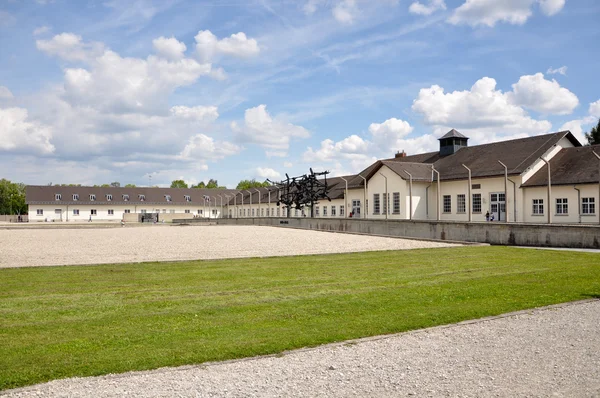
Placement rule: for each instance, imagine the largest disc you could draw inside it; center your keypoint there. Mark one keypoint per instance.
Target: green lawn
(58, 322)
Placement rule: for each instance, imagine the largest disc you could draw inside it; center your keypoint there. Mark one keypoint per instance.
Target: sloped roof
(419, 171)
(452, 134)
(570, 166)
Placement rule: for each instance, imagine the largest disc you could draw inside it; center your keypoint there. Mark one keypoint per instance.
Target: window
(94, 212)
(168, 198)
(127, 211)
(142, 197)
(342, 211)
(396, 208)
(262, 212)
(252, 212)
(125, 198)
(386, 202)
(538, 206)
(461, 206)
(164, 210)
(57, 196)
(475, 186)
(187, 211)
(92, 197)
(324, 211)
(143, 211)
(376, 206)
(447, 204)
(316, 211)
(333, 211)
(75, 197)
(58, 211)
(40, 212)
(588, 206)
(244, 212)
(476, 203)
(111, 212)
(108, 197)
(562, 206)
(214, 212)
(296, 213)
(188, 198)
(75, 212)
(279, 212)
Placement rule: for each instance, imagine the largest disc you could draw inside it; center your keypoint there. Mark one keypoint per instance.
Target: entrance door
(498, 206)
(356, 208)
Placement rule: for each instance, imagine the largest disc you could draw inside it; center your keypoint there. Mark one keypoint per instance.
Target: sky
(147, 92)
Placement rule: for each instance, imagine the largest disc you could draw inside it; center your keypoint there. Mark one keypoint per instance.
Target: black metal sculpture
(301, 191)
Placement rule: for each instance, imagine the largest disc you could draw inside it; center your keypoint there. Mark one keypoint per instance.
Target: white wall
(562, 192)
(395, 183)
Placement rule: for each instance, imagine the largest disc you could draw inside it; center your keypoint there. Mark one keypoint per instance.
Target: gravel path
(547, 352)
(35, 247)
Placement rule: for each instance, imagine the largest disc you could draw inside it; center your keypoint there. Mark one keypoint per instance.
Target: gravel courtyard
(549, 352)
(65, 246)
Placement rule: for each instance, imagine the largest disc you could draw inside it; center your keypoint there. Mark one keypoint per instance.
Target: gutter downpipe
(410, 195)
(469, 201)
(598, 156)
(250, 209)
(258, 212)
(506, 188)
(242, 204)
(220, 197)
(439, 191)
(578, 203)
(345, 196)
(514, 200)
(549, 191)
(365, 194)
(386, 197)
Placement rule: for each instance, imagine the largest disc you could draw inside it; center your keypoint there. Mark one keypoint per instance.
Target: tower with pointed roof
(451, 142)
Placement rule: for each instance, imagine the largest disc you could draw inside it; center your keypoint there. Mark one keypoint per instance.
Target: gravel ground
(61, 246)
(550, 352)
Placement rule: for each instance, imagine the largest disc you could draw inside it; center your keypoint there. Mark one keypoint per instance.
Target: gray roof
(452, 134)
(570, 166)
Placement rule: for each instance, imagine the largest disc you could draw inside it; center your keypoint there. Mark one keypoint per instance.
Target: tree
(593, 137)
(246, 184)
(178, 184)
(115, 184)
(201, 184)
(12, 197)
(129, 185)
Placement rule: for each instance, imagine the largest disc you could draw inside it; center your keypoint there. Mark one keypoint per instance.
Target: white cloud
(544, 96)
(353, 150)
(431, 7)
(345, 11)
(489, 12)
(562, 71)
(576, 127)
(266, 172)
(595, 109)
(218, 74)
(203, 147)
(551, 7)
(237, 45)
(386, 134)
(481, 109)
(5, 93)
(6, 19)
(17, 133)
(70, 47)
(311, 6)
(271, 133)
(196, 113)
(287, 165)
(40, 30)
(169, 48)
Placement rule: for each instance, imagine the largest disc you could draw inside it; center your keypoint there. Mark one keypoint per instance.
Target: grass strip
(58, 322)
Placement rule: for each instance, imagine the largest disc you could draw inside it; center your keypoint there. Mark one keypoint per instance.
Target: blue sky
(98, 91)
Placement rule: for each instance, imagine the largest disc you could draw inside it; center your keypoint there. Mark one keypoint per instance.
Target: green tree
(201, 184)
(129, 185)
(12, 197)
(178, 184)
(593, 137)
(246, 184)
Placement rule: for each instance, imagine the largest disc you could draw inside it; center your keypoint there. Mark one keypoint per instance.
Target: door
(498, 206)
(356, 208)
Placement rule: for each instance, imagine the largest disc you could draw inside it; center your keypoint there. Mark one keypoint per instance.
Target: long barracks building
(548, 178)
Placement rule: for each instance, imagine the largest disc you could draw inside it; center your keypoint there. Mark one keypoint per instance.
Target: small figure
(487, 216)
(90, 218)
(122, 222)
(492, 217)
(351, 214)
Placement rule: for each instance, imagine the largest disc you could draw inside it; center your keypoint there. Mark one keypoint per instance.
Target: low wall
(496, 233)
(13, 218)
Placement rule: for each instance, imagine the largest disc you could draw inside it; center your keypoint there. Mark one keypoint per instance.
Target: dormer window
(92, 197)
(108, 197)
(142, 198)
(75, 197)
(57, 196)
(187, 198)
(168, 198)
(125, 198)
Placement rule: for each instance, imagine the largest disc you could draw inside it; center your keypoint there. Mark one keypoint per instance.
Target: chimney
(400, 154)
